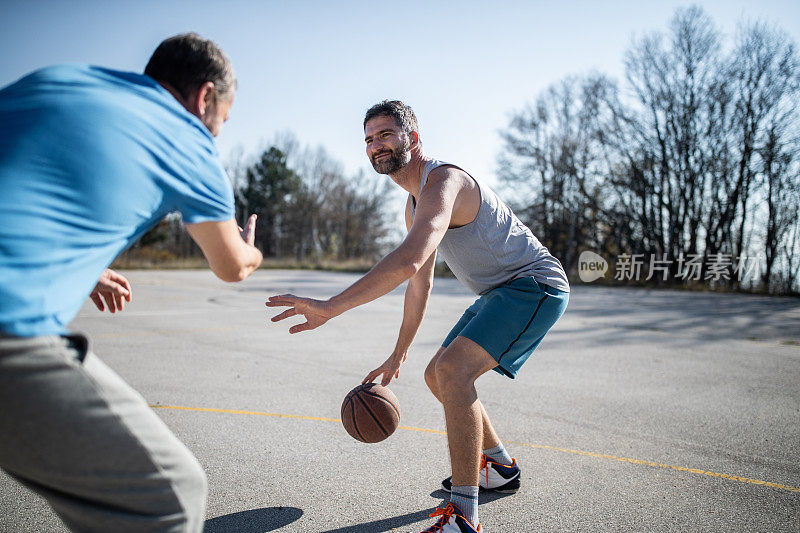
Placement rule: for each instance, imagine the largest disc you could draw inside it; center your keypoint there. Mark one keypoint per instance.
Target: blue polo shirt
(90, 159)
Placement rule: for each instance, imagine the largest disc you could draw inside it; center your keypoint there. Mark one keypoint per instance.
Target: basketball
(370, 412)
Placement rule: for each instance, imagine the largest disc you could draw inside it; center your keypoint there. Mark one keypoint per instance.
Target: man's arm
(231, 255)
(416, 302)
(431, 220)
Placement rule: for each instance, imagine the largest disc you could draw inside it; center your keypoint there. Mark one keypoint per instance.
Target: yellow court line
(163, 332)
(234, 412)
(655, 464)
(662, 465)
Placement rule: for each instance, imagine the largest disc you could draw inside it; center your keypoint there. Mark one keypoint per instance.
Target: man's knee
(430, 373)
(430, 377)
(461, 364)
(451, 375)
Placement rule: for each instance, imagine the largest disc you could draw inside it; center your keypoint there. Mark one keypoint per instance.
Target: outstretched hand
(114, 289)
(316, 312)
(389, 369)
(249, 231)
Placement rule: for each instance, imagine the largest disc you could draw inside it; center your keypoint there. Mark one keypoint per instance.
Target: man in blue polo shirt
(90, 159)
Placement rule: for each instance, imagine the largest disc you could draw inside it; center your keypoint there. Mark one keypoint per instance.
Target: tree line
(309, 209)
(694, 156)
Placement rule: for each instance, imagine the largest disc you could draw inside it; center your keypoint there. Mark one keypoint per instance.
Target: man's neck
(175, 94)
(410, 176)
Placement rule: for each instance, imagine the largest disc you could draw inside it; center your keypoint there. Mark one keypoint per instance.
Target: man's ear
(414, 136)
(201, 99)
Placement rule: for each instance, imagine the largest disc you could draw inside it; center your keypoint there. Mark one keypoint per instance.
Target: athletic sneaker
(494, 476)
(452, 521)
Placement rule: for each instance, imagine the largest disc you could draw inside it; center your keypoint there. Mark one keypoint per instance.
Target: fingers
(387, 378)
(111, 292)
(282, 300)
(115, 296)
(299, 306)
(393, 372)
(249, 231)
(110, 302)
(98, 302)
(377, 372)
(116, 287)
(372, 375)
(119, 301)
(278, 303)
(117, 282)
(286, 314)
(125, 285)
(305, 326)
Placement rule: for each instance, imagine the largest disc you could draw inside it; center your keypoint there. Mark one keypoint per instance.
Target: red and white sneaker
(494, 476)
(451, 521)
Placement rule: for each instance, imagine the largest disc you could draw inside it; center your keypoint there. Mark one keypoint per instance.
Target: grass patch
(151, 262)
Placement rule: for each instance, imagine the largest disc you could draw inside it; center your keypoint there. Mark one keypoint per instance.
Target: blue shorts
(511, 320)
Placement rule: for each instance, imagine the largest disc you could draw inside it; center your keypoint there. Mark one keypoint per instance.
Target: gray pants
(73, 431)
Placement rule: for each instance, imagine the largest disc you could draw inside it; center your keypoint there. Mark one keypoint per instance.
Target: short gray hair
(400, 112)
(187, 61)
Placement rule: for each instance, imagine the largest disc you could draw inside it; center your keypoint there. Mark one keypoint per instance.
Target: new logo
(591, 266)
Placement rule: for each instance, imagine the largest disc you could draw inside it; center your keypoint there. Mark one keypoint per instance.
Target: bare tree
(764, 74)
(678, 98)
(551, 167)
(688, 158)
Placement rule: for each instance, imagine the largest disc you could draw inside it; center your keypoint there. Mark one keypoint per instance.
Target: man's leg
(490, 438)
(77, 434)
(457, 368)
(451, 377)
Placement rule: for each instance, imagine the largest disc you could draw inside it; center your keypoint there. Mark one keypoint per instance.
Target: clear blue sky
(314, 67)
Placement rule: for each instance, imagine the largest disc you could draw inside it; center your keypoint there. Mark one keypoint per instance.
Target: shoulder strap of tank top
(423, 179)
(426, 171)
(429, 166)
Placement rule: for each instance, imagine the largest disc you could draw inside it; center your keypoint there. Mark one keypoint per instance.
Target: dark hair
(402, 114)
(187, 61)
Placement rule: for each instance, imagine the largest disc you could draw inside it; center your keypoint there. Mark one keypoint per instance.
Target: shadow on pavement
(385, 524)
(710, 316)
(254, 520)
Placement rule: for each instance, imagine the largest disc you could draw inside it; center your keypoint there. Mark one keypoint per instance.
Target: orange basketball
(370, 412)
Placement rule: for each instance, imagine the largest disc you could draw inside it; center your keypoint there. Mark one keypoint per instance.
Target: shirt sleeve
(208, 197)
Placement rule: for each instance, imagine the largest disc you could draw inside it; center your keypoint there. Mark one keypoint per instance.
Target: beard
(397, 159)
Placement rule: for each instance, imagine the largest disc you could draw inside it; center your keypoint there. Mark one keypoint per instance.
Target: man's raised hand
(249, 231)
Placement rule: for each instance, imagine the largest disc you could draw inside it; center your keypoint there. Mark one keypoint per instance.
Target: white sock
(499, 455)
(466, 499)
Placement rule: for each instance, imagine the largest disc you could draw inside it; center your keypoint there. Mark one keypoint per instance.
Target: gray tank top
(495, 247)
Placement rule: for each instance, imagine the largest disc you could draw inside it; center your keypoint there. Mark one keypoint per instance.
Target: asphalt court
(642, 410)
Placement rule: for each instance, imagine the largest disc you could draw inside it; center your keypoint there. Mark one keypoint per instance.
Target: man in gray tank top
(522, 291)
